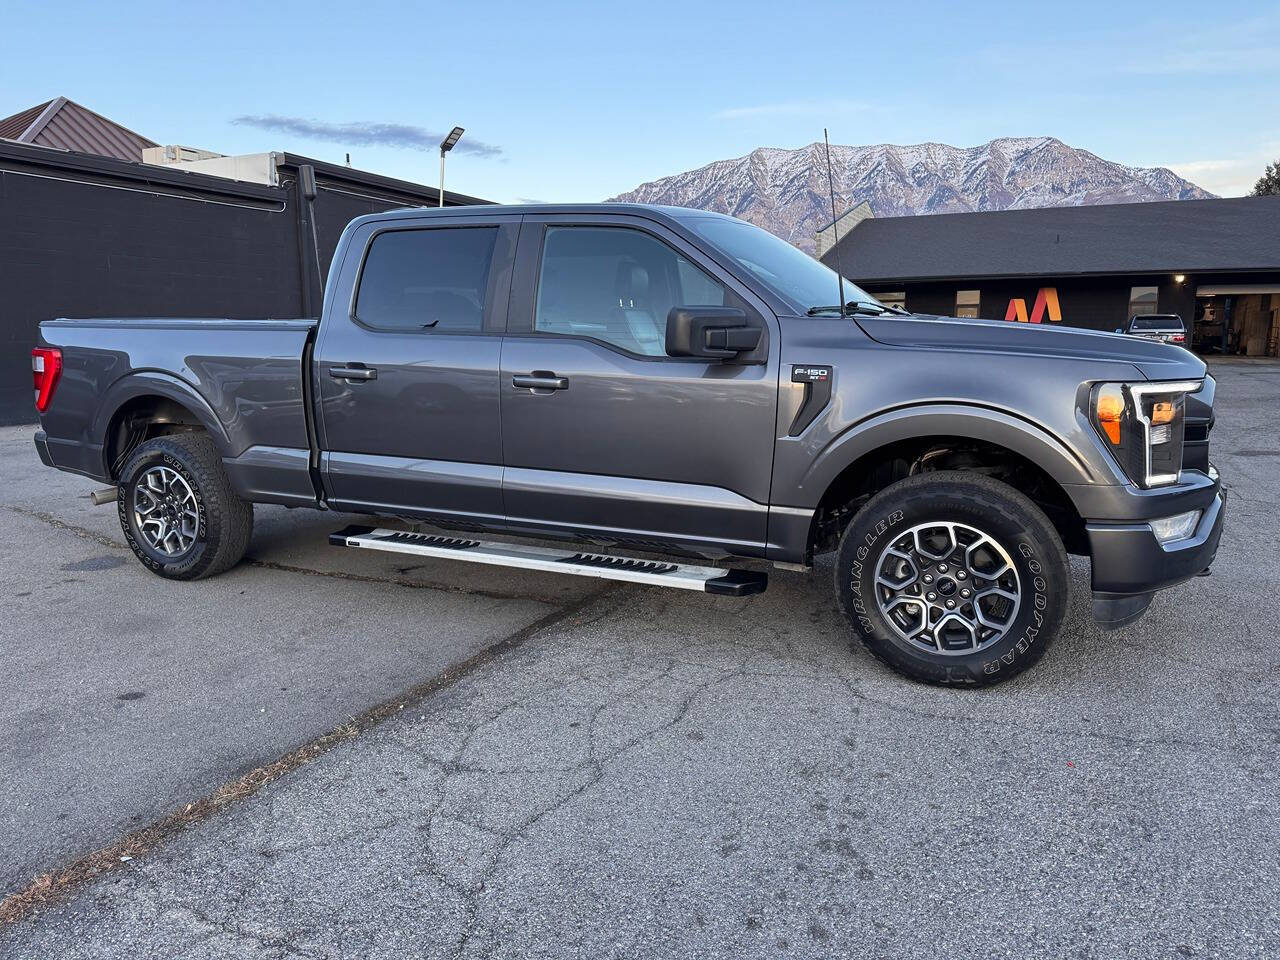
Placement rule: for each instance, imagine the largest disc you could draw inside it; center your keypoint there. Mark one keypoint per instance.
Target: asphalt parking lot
(608, 770)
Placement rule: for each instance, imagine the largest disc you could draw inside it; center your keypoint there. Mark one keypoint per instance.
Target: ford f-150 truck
(661, 381)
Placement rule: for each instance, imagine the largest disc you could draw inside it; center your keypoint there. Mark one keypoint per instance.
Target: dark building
(1214, 262)
(91, 235)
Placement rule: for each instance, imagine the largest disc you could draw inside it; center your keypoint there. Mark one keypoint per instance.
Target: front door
(606, 435)
(406, 369)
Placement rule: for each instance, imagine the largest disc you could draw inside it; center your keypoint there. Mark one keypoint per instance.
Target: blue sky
(570, 101)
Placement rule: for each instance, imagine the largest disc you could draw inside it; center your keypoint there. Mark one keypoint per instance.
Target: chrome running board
(682, 576)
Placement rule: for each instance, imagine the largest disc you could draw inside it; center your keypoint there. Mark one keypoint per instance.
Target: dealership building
(99, 221)
(1216, 263)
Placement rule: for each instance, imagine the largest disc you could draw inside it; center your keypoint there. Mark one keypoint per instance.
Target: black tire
(225, 522)
(1010, 520)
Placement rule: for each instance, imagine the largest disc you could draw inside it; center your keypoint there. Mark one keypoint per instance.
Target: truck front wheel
(953, 578)
(177, 509)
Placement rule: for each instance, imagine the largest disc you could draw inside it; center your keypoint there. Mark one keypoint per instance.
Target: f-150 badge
(800, 374)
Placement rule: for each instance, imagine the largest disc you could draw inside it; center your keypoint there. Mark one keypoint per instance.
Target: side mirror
(716, 333)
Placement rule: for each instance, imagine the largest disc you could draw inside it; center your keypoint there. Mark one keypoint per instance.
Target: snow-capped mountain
(785, 191)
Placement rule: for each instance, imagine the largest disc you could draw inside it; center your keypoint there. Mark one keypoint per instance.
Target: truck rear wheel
(177, 509)
(953, 578)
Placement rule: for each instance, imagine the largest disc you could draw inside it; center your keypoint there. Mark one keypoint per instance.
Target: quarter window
(1142, 300)
(617, 285)
(427, 280)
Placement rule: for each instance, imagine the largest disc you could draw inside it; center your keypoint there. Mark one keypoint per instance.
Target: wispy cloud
(792, 108)
(1229, 176)
(1227, 61)
(366, 133)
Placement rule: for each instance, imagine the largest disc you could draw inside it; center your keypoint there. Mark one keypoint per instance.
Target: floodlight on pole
(447, 144)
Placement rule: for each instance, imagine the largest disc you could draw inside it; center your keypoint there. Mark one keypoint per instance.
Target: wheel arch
(149, 404)
(868, 458)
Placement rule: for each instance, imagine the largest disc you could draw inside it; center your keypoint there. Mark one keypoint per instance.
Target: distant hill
(785, 191)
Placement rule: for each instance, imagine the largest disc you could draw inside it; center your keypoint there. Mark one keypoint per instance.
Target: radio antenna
(835, 232)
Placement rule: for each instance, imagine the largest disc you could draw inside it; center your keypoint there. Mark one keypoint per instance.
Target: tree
(1268, 184)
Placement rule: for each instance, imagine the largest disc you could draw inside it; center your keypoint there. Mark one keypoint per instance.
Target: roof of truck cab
(549, 209)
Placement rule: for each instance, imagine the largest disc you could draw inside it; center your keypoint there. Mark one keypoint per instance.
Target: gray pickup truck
(669, 382)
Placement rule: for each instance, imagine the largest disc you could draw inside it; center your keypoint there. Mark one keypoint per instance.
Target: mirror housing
(713, 333)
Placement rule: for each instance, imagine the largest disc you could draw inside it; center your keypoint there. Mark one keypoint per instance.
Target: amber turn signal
(1161, 412)
(1111, 412)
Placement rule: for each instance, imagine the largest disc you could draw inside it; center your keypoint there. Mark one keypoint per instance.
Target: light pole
(446, 145)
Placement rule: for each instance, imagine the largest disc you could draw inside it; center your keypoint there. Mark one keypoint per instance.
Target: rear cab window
(432, 280)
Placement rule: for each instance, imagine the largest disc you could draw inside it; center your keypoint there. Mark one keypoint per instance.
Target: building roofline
(13, 152)
(42, 121)
(1056, 275)
(856, 206)
(1072, 209)
(109, 167)
(1173, 236)
(338, 171)
(55, 106)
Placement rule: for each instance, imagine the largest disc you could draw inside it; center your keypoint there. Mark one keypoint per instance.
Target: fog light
(1178, 527)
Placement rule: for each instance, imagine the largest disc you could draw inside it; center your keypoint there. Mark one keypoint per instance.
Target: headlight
(1141, 423)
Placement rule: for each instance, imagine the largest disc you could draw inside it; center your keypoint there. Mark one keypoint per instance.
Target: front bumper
(1130, 564)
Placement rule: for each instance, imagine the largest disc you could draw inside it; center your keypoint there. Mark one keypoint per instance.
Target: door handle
(353, 373)
(540, 380)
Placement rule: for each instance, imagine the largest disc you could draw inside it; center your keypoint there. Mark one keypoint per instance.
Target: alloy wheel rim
(948, 588)
(166, 511)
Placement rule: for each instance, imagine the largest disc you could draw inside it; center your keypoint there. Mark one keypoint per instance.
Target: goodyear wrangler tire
(953, 578)
(177, 509)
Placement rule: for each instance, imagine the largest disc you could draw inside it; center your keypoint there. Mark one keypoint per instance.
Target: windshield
(792, 274)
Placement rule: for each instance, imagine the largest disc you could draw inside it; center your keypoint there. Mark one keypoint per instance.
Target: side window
(699, 290)
(426, 280)
(616, 285)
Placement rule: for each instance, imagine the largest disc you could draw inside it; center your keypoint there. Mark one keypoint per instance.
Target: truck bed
(243, 379)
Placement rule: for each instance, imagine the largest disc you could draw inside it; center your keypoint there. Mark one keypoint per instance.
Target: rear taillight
(46, 370)
(1179, 338)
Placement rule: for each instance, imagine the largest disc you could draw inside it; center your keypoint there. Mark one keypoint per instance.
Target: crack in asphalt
(594, 766)
(58, 883)
(213, 927)
(616, 671)
(84, 533)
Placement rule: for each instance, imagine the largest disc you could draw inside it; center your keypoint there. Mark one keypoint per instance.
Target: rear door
(603, 433)
(406, 369)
